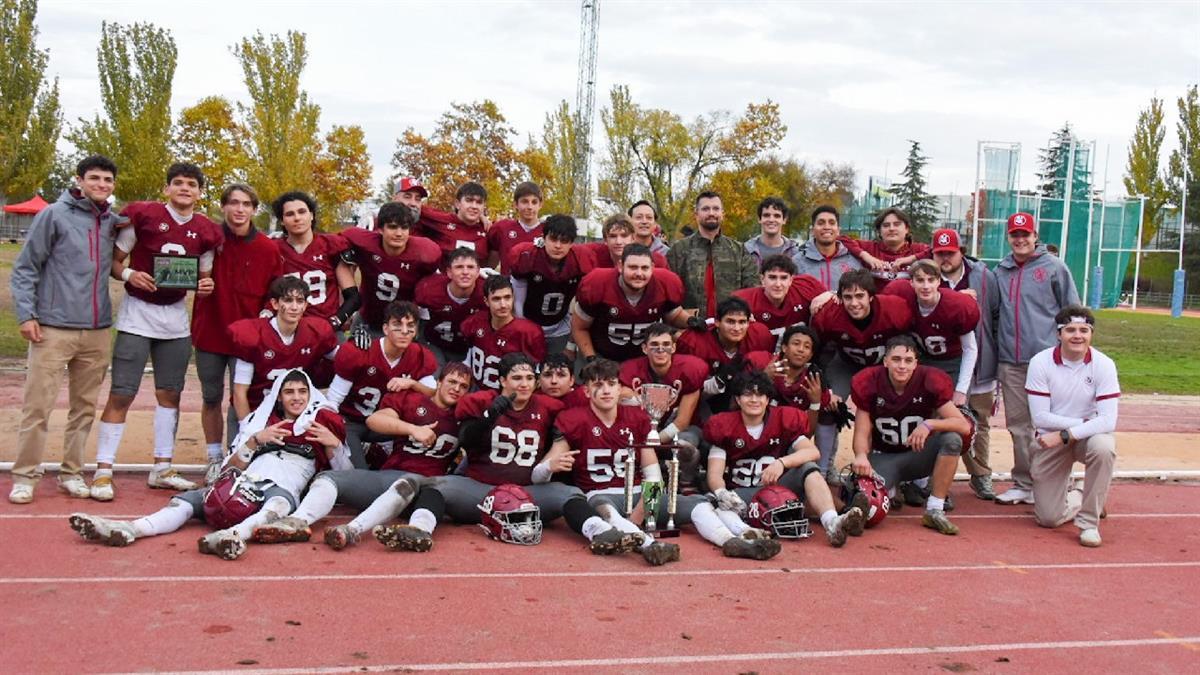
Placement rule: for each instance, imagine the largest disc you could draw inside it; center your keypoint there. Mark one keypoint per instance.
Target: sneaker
(102, 489)
(1015, 495)
(854, 528)
(169, 479)
(1090, 537)
(75, 486)
(223, 543)
(841, 526)
(341, 536)
(103, 530)
(912, 494)
(21, 493)
(213, 472)
(937, 520)
(660, 553)
(982, 487)
(281, 531)
(403, 538)
(754, 549)
(612, 541)
(948, 504)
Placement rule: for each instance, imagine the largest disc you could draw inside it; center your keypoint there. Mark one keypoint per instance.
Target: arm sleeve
(520, 290)
(206, 260)
(966, 367)
(243, 372)
(338, 391)
(27, 269)
(126, 238)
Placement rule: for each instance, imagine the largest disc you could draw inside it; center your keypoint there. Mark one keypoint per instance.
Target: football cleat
(613, 541)
(169, 479)
(403, 538)
(982, 487)
(841, 526)
(341, 536)
(103, 530)
(937, 520)
(223, 543)
(281, 531)
(21, 493)
(102, 489)
(755, 533)
(912, 494)
(754, 549)
(660, 553)
(863, 503)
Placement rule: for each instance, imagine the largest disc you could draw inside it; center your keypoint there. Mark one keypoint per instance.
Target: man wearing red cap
(1034, 287)
(409, 192)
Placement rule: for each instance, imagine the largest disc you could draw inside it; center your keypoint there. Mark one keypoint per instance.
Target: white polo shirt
(1079, 396)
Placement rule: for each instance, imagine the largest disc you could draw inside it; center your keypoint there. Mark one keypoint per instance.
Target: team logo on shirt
(163, 227)
(421, 410)
(739, 443)
(376, 257)
(596, 432)
(306, 350)
(535, 416)
(918, 399)
(371, 370)
(451, 226)
(1088, 380)
(478, 332)
(766, 315)
(1039, 275)
(775, 441)
(512, 234)
(319, 256)
(500, 342)
(446, 308)
(192, 235)
(879, 401)
(537, 278)
(612, 311)
(269, 354)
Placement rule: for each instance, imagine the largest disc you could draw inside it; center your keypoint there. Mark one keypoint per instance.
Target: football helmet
(232, 498)
(510, 515)
(779, 510)
(877, 495)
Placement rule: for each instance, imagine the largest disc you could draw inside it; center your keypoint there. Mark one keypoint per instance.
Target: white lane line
(719, 658)
(640, 572)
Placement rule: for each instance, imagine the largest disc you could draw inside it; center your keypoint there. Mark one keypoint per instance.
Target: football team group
(441, 366)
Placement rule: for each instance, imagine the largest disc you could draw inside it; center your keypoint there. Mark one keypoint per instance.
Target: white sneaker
(1015, 495)
(22, 493)
(169, 479)
(75, 486)
(213, 472)
(102, 489)
(103, 530)
(1090, 537)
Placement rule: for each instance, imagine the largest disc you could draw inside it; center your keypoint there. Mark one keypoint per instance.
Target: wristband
(927, 425)
(814, 406)
(126, 273)
(244, 454)
(541, 473)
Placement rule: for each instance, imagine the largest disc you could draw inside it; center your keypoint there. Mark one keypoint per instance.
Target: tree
(30, 116)
(833, 184)
(921, 207)
(137, 68)
(1052, 160)
(1142, 176)
(209, 136)
(342, 172)
(282, 124)
(61, 175)
(550, 163)
(1187, 127)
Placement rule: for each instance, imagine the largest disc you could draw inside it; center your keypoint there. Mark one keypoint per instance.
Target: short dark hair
(617, 221)
(187, 170)
(560, 227)
(556, 361)
(904, 341)
(659, 328)
(95, 162)
(496, 282)
(636, 249)
(892, 211)
(401, 309)
(293, 375)
(512, 360)
(779, 262)
(773, 203)
(800, 329)
(294, 196)
(454, 368)
(860, 278)
(527, 189)
(463, 252)
(825, 208)
(1069, 312)
(471, 189)
(732, 305)
(752, 382)
(285, 286)
(600, 370)
(707, 194)
(239, 187)
(395, 213)
(642, 202)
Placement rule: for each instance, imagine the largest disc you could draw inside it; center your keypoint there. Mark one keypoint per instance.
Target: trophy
(657, 399)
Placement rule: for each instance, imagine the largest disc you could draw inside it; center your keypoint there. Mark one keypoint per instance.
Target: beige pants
(1052, 470)
(1018, 421)
(976, 458)
(84, 356)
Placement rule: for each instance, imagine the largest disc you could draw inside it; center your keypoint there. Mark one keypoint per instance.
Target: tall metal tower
(585, 104)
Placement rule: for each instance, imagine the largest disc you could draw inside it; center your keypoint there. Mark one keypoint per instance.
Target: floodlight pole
(1066, 212)
(1180, 280)
(975, 202)
(1087, 251)
(1137, 263)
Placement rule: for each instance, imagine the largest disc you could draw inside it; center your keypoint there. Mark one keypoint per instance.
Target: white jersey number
(370, 400)
(627, 333)
(316, 285)
(604, 464)
(894, 431)
(748, 472)
(387, 286)
(515, 448)
(484, 368)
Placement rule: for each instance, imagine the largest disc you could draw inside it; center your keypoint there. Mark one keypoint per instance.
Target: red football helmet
(779, 510)
(510, 515)
(231, 499)
(878, 501)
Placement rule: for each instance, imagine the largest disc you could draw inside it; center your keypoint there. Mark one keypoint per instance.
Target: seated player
(391, 363)
(507, 233)
(893, 251)
(618, 232)
(424, 442)
(734, 345)
(757, 445)
(907, 427)
(492, 334)
(798, 384)
(446, 300)
(556, 380)
(291, 436)
(466, 227)
(613, 308)
(662, 365)
(545, 276)
(784, 297)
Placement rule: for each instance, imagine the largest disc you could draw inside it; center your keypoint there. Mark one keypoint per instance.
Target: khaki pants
(1052, 470)
(976, 458)
(84, 356)
(1018, 421)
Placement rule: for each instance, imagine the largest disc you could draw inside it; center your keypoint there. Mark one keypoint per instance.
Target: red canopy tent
(31, 207)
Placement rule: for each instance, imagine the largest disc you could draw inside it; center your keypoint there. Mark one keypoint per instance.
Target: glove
(727, 372)
(485, 272)
(728, 500)
(500, 405)
(697, 322)
(361, 337)
(842, 416)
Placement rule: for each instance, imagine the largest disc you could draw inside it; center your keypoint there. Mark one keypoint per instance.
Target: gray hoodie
(1030, 295)
(809, 260)
(60, 277)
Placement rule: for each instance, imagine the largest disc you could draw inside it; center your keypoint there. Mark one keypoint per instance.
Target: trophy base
(664, 534)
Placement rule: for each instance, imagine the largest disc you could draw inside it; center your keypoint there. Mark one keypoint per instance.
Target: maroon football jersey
(575, 398)
(369, 372)
(388, 277)
(704, 345)
(954, 316)
(326, 418)
(686, 375)
(504, 236)
(890, 316)
(159, 235)
(443, 315)
(550, 285)
(256, 342)
(794, 309)
(519, 438)
(487, 345)
(449, 233)
(796, 394)
(603, 449)
(603, 259)
(408, 455)
(746, 456)
(315, 265)
(619, 328)
(894, 415)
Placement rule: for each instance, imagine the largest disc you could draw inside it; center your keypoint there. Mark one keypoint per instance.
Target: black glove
(842, 416)
(500, 405)
(361, 337)
(350, 303)
(697, 322)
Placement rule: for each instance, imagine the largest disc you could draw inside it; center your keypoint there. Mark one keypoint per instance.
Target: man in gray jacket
(1034, 286)
(772, 218)
(60, 290)
(823, 256)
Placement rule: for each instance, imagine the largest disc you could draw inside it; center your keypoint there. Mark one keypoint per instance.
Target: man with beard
(711, 265)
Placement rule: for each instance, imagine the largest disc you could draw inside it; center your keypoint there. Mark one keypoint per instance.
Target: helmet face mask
(509, 515)
(779, 510)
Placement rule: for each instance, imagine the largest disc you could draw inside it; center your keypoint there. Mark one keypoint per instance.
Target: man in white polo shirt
(1073, 393)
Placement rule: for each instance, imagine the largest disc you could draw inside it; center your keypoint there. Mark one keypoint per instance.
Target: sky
(854, 81)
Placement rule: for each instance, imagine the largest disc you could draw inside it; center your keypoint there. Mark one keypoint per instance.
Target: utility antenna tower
(585, 104)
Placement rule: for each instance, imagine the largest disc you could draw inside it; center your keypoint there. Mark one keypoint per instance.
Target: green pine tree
(911, 196)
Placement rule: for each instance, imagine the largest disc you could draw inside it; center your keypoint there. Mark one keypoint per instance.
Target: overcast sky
(853, 80)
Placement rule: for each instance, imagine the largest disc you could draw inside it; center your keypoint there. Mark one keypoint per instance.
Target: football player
(446, 300)
(798, 384)
(556, 380)
(906, 426)
(733, 345)
(645, 227)
(893, 251)
(618, 233)
(614, 307)
(784, 297)
(314, 257)
(662, 365)
(153, 323)
(545, 276)
(505, 234)
(466, 227)
(292, 441)
(492, 334)
(758, 445)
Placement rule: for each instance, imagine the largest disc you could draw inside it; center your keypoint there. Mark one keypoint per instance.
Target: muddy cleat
(282, 531)
(75, 486)
(613, 541)
(341, 536)
(169, 479)
(754, 549)
(982, 487)
(213, 472)
(660, 553)
(102, 489)
(403, 538)
(841, 526)
(912, 494)
(103, 530)
(862, 502)
(754, 533)
(937, 520)
(223, 544)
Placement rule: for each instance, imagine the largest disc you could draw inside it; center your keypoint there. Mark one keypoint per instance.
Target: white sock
(214, 452)
(160, 467)
(423, 519)
(935, 503)
(319, 501)
(709, 525)
(167, 519)
(165, 421)
(733, 521)
(385, 507)
(108, 439)
(593, 526)
(625, 525)
(102, 472)
(828, 517)
(275, 507)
